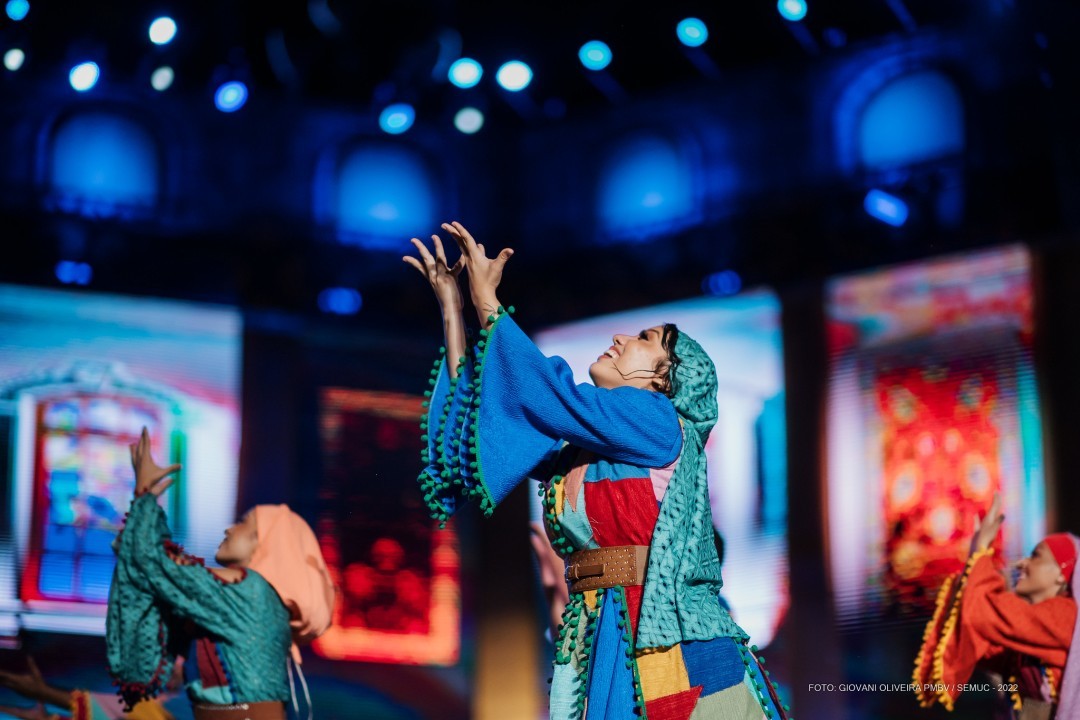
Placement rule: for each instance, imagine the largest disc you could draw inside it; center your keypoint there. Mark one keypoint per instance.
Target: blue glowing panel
(914, 118)
(103, 164)
(384, 196)
(645, 189)
(887, 208)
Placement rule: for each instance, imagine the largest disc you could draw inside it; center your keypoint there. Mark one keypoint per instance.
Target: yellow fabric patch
(149, 710)
(560, 497)
(663, 672)
(590, 599)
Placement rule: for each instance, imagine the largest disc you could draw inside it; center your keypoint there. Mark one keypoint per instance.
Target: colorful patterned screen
(932, 408)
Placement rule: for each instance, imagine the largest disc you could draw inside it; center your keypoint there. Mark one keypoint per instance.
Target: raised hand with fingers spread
(443, 279)
(149, 476)
(485, 274)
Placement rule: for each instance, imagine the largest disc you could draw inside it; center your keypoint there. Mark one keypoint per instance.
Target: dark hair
(668, 339)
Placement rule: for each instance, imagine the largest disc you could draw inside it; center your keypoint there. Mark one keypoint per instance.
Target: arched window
(646, 188)
(914, 118)
(103, 164)
(379, 196)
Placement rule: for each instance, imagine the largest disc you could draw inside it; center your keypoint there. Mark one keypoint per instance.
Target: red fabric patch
(633, 607)
(211, 671)
(673, 707)
(621, 512)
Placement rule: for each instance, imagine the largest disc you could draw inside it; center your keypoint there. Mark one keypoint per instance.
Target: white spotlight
(162, 78)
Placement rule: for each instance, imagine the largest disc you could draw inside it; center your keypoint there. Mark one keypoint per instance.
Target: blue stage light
(469, 120)
(162, 78)
(722, 284)
(595, 55)
(17, 9)
(887, 208)
(794, 10)
(73, 273)
(14, 59)
(231, 96)
(340, 301)
(397, 118)
(162, 31)
(84, 76)
(465, 73)
(692, 32)
(514, 76)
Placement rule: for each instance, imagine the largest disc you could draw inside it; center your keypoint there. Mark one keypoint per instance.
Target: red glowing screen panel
(397, 572)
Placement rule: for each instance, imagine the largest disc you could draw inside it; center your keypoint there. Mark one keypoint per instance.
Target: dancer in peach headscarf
(238, 621)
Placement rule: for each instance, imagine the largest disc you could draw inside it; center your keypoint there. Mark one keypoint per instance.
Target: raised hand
(485, 273)
(149, 476)
(442, 276)
(986, 529)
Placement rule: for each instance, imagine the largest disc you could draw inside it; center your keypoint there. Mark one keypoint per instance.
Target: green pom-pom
(427, 393)
(491, 318)
(511, 310)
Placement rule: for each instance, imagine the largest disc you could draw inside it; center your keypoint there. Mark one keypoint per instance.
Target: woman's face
(633, 360)
(1040, 575)
(239, 544)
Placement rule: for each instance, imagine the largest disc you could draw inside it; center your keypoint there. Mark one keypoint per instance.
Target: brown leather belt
(607, 567)
(240, 711)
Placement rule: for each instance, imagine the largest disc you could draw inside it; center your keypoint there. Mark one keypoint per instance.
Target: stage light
(231, 96)
(74, 273)
(162, 79)
(722, 284)
(162, 31)
(17, 9)
(514, 76)
(397, 118)
(595, 55)
(469, 120)
(887, 208)
(794, 10)
(465, 73)
(340, 301)
(14, 59)
(692, 32)
(84, 76)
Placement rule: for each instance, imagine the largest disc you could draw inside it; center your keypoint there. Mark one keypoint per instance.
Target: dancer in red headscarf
(1024, 635)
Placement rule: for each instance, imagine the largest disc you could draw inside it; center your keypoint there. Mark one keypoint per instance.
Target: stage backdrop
(932, 408)
(747, 448)
(80, 375)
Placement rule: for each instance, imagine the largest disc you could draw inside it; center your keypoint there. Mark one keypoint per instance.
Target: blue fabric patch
(714, 664)
(575, 523)
(611, 683)
(601, 469)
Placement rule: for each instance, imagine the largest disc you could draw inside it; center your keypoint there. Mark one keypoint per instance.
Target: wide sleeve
(150, 590)
(511, 407)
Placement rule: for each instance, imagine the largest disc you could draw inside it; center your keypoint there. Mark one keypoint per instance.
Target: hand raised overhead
(438, 272)
(485, 274)
(149, 476)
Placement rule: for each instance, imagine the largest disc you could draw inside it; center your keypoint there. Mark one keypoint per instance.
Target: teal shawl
(683, 579)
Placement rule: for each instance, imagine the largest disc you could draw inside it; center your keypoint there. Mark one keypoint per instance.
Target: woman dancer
(1023, 635)
(234, 624)
(626, 504)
